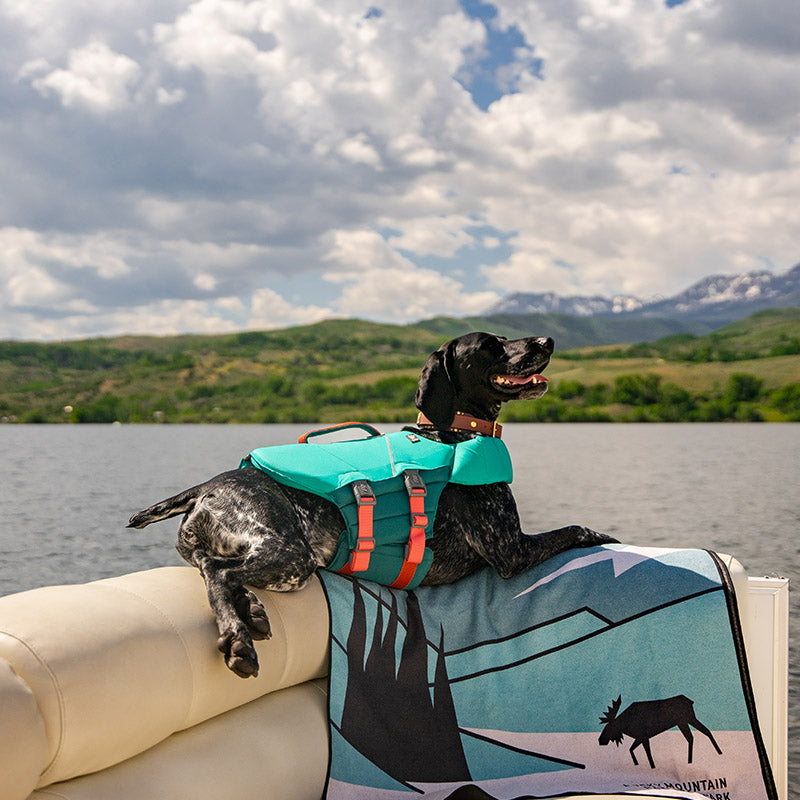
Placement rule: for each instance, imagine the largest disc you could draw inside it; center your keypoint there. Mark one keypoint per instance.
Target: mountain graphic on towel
(611, 583)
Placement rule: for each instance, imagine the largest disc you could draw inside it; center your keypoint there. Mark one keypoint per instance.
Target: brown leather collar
(464, 422)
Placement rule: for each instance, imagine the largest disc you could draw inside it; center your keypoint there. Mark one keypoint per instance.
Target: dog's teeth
(503, 380)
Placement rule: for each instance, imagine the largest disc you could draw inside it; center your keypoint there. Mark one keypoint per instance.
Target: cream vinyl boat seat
(114, 689)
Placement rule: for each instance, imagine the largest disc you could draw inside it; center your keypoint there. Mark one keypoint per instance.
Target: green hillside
(769, 333)
(344, 369)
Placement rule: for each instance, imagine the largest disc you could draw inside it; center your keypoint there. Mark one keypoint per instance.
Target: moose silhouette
(645, 719)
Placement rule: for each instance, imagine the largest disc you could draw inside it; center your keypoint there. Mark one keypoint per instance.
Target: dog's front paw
(253, 614)
(240, 654)
(589, 538)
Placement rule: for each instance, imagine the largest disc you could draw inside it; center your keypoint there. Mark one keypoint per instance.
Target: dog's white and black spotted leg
(240, 615)
(225, 592)
(538, 547)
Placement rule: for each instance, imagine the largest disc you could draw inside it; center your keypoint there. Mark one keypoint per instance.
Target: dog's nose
(546, 343)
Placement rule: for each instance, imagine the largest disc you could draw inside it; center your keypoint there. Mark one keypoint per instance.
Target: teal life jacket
(387, 488)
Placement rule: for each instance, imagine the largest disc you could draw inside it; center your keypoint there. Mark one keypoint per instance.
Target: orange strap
(365, 543)
(415, 549)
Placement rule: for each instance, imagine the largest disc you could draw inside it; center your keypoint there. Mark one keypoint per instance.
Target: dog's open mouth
(517, 382)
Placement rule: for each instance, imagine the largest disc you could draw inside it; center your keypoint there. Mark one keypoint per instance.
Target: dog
(242, 527)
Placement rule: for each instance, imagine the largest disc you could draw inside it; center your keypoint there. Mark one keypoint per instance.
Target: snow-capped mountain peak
(578, 305)
(727, 295)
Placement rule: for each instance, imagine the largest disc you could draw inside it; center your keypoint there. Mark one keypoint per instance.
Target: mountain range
(715, 300)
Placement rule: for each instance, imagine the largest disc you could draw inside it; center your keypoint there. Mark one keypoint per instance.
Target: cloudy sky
(215, 165)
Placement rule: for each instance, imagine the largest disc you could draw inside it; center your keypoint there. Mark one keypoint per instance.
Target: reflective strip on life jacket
(415, 549)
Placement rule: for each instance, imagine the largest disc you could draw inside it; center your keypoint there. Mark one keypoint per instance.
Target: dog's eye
(495, 346)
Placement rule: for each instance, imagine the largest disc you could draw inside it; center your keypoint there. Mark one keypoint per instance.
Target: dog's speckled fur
(242, 527)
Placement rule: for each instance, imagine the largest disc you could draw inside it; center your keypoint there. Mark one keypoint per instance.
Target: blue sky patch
(479, 10)
(494, 70)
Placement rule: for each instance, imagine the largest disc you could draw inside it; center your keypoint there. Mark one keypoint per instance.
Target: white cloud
(22, 250)
(168, 317)
(269, 310)
(380, 283)
(363, 250)
(326, 71)
(397, 294)
(628, 161)
(414, 150)
(33, 286)
(205, 282)
(78, 320)
(441, 236)
(211, 35)
(170, 97)
(358, 150)
(162, 318)
(96, 78)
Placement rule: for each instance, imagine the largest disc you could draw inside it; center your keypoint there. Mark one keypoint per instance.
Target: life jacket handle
(339, 427)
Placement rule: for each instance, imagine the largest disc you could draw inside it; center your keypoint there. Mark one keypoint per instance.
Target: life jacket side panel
(480, 461)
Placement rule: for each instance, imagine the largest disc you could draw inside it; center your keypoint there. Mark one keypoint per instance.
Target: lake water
(66, 493)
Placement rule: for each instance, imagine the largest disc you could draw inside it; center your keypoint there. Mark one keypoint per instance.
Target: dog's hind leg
(239, 613)
(240, 616)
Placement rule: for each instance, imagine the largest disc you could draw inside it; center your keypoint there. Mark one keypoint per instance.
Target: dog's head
(476, 373)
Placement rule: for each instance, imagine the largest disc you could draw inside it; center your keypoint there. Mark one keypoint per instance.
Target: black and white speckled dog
(241, 527)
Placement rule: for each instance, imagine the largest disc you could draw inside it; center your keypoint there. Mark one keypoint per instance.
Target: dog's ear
(436, 393)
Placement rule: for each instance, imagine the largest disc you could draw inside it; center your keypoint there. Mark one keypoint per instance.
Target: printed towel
(611, 669)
